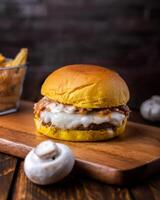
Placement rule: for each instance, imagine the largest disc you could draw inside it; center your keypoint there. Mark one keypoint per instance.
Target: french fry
(20, 59)
(11, 79)
(2, 60)
(8, 63)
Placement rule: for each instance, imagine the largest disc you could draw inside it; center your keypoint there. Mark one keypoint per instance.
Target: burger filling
(70, 117)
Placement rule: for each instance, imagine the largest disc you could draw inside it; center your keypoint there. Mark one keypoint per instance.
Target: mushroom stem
(46, 150)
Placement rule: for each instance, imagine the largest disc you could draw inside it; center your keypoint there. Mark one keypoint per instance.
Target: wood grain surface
(75, 187)
(78, 187)
(125, 159)
(7, 170)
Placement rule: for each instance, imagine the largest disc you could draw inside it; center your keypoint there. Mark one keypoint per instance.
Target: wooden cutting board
(123, 160)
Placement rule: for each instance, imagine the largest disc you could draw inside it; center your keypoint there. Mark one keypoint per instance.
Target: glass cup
(11, 85)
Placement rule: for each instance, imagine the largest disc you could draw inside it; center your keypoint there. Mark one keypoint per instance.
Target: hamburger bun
(77, 135)
(86, 86)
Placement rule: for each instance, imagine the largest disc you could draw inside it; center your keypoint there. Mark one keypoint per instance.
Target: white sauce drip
(64, 117)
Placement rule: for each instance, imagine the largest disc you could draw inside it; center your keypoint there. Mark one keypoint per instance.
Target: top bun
(86, 86)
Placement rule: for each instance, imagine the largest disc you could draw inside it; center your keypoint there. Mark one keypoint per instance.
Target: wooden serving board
(123, 160)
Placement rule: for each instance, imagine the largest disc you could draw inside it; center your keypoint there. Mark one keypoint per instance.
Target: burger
(82, 103)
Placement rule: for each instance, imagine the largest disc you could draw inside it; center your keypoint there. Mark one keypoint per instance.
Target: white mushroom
(48, 163)
(150, 109)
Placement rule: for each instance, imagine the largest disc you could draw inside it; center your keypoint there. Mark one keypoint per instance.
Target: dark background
(120, 34)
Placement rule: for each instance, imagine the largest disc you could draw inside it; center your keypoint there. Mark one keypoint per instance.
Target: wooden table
(15, 185)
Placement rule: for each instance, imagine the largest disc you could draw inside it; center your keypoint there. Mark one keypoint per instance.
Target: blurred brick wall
(123, 35)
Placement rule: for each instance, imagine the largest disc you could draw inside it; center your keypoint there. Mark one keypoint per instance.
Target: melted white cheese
(64, 117)
(57, 107)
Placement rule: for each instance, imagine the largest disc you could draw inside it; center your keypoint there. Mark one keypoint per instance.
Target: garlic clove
(145, 109)
(150, 109)
(46, 150)
(156, 98)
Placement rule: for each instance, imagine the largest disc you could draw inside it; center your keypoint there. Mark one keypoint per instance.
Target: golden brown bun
(78, 135)
(86, 86)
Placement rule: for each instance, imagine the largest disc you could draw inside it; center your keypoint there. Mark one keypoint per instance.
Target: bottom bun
(78, 135)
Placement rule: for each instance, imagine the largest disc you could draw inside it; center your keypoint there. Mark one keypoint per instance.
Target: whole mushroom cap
(48, 163)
